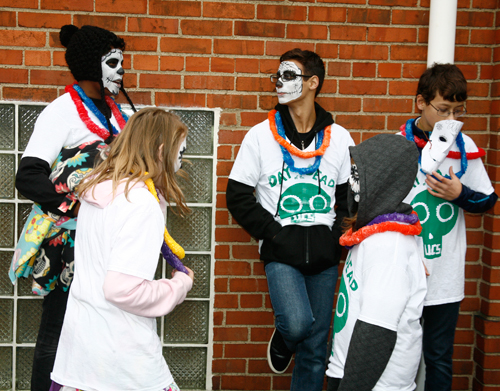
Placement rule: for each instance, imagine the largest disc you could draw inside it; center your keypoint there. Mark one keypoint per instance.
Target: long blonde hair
(149, 143)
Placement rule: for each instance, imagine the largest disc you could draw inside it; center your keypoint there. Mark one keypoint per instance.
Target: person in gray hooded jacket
(377, 332)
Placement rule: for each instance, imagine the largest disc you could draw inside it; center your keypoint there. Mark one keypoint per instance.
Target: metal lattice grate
(194, 231)
(24, 362)
(7, 175)
(27, 117)
(29, 315)
(187, 323)
(5, 368)
(198, 187)
(188, 366)
(7, 126)
(6, 287)
(201, 128)
(6, 320)
(7, 225)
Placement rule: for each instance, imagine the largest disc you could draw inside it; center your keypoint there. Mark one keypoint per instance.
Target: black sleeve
(341, 212)
(369, 352)
(333, 383)
(475, 202)
(251, 215)
(32, 181)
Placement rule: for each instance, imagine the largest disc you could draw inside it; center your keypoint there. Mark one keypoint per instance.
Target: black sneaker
(279, 356)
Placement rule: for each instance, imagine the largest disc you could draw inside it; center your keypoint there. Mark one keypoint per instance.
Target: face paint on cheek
(112, 70)
(289, 90)
(178, 162)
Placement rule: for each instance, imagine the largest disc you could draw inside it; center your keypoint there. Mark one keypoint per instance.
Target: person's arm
(474, 202)
(251, 215)
(369, 352)
(146, 298)
(32, 181)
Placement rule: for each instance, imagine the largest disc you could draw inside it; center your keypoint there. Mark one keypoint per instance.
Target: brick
(259, 29)
(249, 318)
(143, 44)
(145, 62)
(488, 376)
(113, 23)
(469, 71)
(138, 97)
(19, 3)
(304, 31)
(269, 66)
(228, 366)
(225, 301)
(390, 70)
(231, 136)
(327, 50)
(336, 68)
(222, 186)
(478, 106)
(348, 33)
(473, 54)
(261, 367)
(259, 84)
(234, 46)
(58, 78)
(122, 6)
(226, 101)
(232, 268)
(475, 19)
(409, 53)
(43, 20)
(36, 58)
(363, 69)
(409, 17)
(327, 14)
(248, 65)
(175, 8)
(267, 102)
(23, 38)
(277, 48)
(153, 25)
(221, 284)
(228, 10)
(245, 252)
(251, 119)
(251, 301)
(280, 12)
(69, 5)
(387, 105)
(186, 45)
(492, 4)
(478, 90)
(231, 234)
(221, 252)
(361, 122)
(369, 16)
(228, 119)
(248, 285)
(159, 81)
(197, 64)
(8, 19)
(171, 63)
(180, 99)
(29, 94)
(361, 87)
(11, 57)
(210, 83)
(254, 383)
(398, 3)
(368, 52)
(402, 88)
(352, 105)
(384, 34)
(261, 334)
(219, 64)
(343, 1)
(470, 304)
(486, 72)
(394, 122)
(482, 37)
(206, 27)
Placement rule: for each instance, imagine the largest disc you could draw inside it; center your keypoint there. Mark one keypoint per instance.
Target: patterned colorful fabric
(46, 246)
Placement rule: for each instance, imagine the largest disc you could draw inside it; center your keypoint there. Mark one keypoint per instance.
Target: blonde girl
(109, 339)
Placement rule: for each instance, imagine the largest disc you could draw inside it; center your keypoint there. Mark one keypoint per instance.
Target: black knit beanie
(84, 48)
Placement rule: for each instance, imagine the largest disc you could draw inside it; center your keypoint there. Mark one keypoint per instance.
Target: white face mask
(440, 142)
(288, 90)
(112, 70)
(180, 152)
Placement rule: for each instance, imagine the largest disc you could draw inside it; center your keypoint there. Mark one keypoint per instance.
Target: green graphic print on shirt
(438, 217)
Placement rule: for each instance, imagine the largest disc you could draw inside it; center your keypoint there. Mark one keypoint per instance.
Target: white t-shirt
(260, 164)
(59, 125)
(103, 348)
(383, 283)
(442, 242)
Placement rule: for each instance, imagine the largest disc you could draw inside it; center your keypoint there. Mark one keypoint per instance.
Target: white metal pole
(442, 28)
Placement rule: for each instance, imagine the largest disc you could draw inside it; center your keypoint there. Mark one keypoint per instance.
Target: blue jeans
(440, 322)
(303, 307)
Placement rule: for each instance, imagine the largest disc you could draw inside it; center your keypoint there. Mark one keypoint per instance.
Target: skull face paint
(292, 89)
(354, 190)
(440, 142)
(180, 152)
(112, 70)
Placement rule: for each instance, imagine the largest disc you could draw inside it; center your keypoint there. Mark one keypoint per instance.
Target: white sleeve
(246, 168)
(345, 169)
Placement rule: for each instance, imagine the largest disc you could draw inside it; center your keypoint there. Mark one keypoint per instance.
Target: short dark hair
(447, 79)
(312, 63)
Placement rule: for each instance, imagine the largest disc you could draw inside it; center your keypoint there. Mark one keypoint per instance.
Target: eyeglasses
(446, 113)
(288, 76)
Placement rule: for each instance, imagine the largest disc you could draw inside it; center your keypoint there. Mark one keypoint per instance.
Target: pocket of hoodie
(288, 244)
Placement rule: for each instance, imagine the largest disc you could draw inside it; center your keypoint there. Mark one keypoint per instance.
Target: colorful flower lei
(170, 249)
(288, 149)
(460, 143)
(350, 239)
(79, 98)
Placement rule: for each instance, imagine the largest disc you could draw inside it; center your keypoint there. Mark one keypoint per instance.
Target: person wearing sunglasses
(288, 189)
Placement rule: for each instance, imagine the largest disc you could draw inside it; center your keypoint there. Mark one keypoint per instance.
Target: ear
(421, 104)
(313, 82)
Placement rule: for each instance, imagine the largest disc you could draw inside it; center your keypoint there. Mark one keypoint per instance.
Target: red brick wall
(219, 54)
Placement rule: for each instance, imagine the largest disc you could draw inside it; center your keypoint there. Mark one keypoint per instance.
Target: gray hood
(387, 166)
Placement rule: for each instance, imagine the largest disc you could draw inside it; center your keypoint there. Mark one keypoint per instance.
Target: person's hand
(441, 187)
(190, 273)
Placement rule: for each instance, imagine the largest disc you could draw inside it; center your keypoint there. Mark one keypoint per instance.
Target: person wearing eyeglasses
(288, 189)
(440, 198)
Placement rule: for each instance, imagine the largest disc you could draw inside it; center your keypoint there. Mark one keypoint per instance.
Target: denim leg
(54, 308)
(440, 322)
(303, 312)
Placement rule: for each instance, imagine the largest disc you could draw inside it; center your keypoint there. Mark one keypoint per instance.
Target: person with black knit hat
(83, 118)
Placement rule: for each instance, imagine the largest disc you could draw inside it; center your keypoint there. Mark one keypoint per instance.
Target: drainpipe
(442, 28)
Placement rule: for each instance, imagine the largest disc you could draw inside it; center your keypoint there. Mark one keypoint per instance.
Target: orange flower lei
(293, 150)
(351, 239)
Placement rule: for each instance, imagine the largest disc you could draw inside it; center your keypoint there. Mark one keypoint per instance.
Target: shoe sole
(269, 357)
